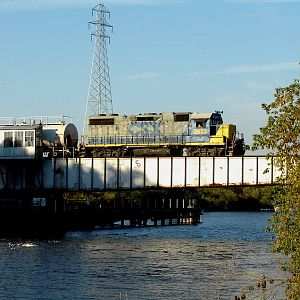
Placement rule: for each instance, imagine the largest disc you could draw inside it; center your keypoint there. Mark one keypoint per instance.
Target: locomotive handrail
(138, 140)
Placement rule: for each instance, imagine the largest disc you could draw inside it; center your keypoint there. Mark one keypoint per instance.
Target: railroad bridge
(62, 194)
(98, 174)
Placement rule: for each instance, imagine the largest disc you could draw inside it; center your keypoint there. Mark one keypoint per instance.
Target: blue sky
(169, 55)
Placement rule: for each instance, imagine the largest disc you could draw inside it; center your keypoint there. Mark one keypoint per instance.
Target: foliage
(218, 198)
(242, 199)
(281, 135)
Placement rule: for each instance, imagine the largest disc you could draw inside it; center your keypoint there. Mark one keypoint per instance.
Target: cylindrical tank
(60, 135)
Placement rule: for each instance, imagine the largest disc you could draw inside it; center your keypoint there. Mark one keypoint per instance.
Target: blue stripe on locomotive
(150, 129)
(150, 132)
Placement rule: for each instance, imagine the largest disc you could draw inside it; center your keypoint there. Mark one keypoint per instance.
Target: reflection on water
(214, 260)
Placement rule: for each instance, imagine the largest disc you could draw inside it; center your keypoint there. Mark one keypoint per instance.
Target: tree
(281, 135)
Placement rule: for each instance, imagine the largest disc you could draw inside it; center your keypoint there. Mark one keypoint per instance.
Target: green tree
(281, 135)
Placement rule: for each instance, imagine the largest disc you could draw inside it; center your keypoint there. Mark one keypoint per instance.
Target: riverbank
(236, 199)
(209, 199)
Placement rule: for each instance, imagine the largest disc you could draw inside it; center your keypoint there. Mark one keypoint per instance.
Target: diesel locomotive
(161, 134)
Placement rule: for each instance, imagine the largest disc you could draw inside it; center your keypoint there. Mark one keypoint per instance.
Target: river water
(217, 259)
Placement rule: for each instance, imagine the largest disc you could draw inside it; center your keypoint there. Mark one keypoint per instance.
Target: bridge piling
(52, 212)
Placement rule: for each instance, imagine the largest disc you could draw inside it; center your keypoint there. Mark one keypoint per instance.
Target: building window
(8, 139)
(18, 139)
(29, 138)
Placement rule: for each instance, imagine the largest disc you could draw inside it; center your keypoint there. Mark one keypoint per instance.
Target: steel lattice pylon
(99, 99)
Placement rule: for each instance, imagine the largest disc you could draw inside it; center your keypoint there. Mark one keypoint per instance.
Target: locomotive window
(18, 139)
(216, 122)
(102, 121)
(29, 138)
(216, 119)
(8, 139)
(182, 118)
(201, 123)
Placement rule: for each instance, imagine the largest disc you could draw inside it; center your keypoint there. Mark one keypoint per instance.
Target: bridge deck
(154, 172)
(137, 173)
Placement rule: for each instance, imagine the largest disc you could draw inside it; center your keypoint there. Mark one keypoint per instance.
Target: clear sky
(164, 55)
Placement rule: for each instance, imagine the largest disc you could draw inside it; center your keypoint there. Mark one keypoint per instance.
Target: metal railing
(47, 120)
(142, 140)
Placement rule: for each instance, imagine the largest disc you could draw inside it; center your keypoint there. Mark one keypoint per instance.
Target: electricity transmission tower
(99, 99)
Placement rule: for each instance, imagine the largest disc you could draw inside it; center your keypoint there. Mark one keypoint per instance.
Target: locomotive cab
(215, 122)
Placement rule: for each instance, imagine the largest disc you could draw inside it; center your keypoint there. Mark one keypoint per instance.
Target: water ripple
(214, 260)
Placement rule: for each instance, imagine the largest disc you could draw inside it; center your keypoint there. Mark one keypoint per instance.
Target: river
(217, 259)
